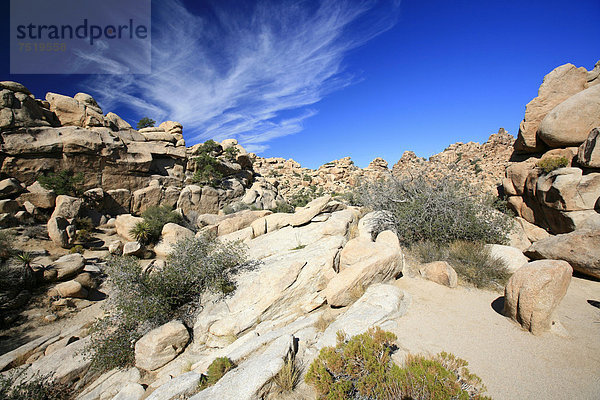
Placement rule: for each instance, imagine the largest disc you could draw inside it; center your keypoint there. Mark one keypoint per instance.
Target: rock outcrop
(559, 130)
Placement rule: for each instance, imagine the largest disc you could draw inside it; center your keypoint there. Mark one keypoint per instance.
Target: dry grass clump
(288, 377)
(472, 261)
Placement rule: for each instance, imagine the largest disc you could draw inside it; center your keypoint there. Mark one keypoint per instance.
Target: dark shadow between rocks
(96, 295)
(498, 305)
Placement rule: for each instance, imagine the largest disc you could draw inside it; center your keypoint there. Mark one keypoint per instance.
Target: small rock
(70, 289)
(133, 249)
(440, 272)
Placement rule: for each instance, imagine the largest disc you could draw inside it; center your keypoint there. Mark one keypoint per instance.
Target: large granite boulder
(569, 123)
(560, 84)
(534, 291)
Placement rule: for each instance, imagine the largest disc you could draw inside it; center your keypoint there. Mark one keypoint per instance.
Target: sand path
(514, 364)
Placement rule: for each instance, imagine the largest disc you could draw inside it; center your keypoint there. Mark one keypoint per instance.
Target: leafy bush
(472, 261)
(283, 207)
(219, 367)
(361, 368)
(144, 300)
(145, 123)
(440, 211)
(549, 164)
(231, 153)
(37, 388)
(155, 218)
(207, 172)
(63, 182)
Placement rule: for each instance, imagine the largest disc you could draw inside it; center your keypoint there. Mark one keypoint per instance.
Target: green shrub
(63, 182)
(442, 211)
(141, 300)
(549, 164)
(231, 153)
(472, 261)
(155, 218)
(361, 368)
(219, 367)
(283, 207)
(206, 164)
(37, 388)
(145, 123)
(76, 249)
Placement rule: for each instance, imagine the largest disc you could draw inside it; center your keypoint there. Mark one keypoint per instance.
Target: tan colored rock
(71, 289)
(125, 223)
(117, 122)
(440, 272)
(240, 220)
(134, 249)
(68, 110)
(67, 207)
(310, 211)
(580, 248)
(534, 291)
(39, 196)
(560, 84)
(512, 257)
(9, 206)
(384, 262)
(589, 152)
(567, 189)
(171, 234)
(534, 233)
(57, 231)
(9, 187)
(570, 123)
(68, 265)
(516, 176)
(161, 345)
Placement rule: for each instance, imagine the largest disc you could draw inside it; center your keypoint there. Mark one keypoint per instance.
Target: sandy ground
(513, 364)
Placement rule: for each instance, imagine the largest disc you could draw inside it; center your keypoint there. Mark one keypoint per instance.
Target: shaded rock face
(534, 291)
(565, 115)
(581, 249)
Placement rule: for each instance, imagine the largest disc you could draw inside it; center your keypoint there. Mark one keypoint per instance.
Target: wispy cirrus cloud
(252, 73)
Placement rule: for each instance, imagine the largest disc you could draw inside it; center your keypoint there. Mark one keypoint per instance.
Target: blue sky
(316, 81)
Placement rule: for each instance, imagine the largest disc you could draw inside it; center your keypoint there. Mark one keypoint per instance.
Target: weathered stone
(534, 233)
(133, 249)
(161, 345)
(71, 289)
(131, 391)
(534, 291)
(117, 122)
(589, 152)
(244, 381)
(171, 234)
(512, 257)
(9, 187)
(440, 272)
(110, 383)
(39, 196)
(311, 210)
(178, 387)
(378, 305)
(68, 110)
(239, 220)
(57, 231)
(382, 260)
(124, 224)
(580, 248)
(570, 122)
(67, 207)
(560, 84)
(9, 206)
(68, 265)
(117, 201)
(567, 189)
(116, 247)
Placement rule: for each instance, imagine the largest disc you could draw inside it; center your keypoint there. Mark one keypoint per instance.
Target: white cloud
(248, 74)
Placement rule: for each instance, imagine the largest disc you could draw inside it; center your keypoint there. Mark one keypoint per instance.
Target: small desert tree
(145, 123)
